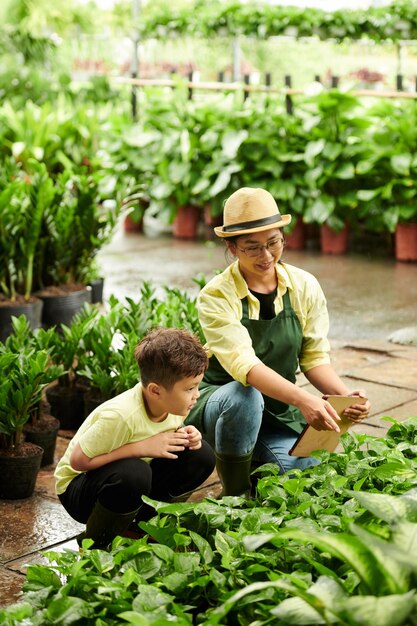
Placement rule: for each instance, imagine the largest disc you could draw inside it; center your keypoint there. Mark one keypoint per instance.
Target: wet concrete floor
(369, 298)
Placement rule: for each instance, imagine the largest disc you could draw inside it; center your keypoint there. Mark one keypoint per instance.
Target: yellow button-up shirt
(220, 312)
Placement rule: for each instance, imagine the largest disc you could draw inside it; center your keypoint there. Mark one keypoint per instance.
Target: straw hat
(250, 210)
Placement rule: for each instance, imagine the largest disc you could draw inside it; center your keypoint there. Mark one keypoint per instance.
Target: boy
(136, 444)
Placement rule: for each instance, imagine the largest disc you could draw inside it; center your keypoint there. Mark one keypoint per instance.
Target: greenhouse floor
(388, 372)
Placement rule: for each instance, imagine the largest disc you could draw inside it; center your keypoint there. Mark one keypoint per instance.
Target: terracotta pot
(131, 226)
(133, 221)
(406, 242)
(333, 242)
(211, 220)
(296, 239)
(185, 225)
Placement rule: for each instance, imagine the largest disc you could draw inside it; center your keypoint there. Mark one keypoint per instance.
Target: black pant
(120, 485)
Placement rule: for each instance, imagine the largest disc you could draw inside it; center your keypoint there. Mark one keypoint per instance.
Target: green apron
(277, 343)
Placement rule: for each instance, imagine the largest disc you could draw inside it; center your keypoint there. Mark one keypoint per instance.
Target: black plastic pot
(32, 310)
(44, 434)
(92, 399)
(97, 285)
(18, 472)
(60, 309)
(67, 405)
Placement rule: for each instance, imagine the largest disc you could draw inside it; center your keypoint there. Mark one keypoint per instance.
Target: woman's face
(258, 252)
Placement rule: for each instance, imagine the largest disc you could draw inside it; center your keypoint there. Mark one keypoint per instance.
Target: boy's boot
(103, 525)
(234, 473)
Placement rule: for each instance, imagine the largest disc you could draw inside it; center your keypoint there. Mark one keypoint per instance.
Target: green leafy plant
(26, 374)
(50, 233)
(11, 227)
(177, 173)
(76, 225)
(24, 202)
(330, 544)
(24, 340)
(389, 168)
(107, 361)
(262, 20)
(337, 141)
(66, 343)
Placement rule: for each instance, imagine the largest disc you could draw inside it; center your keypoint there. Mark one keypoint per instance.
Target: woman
(263, 319)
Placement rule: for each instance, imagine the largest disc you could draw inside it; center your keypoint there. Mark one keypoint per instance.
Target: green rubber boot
(234, 473)
(104, 525)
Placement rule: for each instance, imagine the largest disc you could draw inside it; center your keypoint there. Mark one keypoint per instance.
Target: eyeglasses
(274, 246)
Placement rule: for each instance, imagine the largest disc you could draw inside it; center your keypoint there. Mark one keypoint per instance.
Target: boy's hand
(194, 437)
(165, 445)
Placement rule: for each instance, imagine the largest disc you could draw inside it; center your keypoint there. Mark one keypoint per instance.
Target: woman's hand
(358, 412)
(319, 413)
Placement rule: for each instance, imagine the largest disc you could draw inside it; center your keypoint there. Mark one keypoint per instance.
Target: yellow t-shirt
(113, 424)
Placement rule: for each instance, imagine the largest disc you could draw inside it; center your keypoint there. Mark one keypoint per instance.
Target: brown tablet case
(311, 439)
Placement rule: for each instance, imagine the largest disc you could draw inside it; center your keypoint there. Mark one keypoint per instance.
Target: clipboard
(311, 439)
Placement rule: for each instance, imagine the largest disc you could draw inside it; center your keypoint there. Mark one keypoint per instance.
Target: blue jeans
(233, 425)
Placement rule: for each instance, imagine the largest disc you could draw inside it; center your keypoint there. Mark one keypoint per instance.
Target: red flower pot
(130, 226)
(333, 242)
(406, 242)
(185, 224)
(211, 220)
(296, 239)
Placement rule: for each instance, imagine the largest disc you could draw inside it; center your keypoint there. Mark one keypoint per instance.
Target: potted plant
(222, 133)
(172, 198)
(23, 379)
(65, 345)
(60, 136)
(50, 234)
(41, 428)
(75, 227)
(388, 194)
(23, 201)
(331, 155)
(133, 208)
(392, 207)
(176, 170)
(109, 367)
(107, 362)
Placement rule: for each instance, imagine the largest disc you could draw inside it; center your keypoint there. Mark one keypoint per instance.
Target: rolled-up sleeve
(220, 312)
